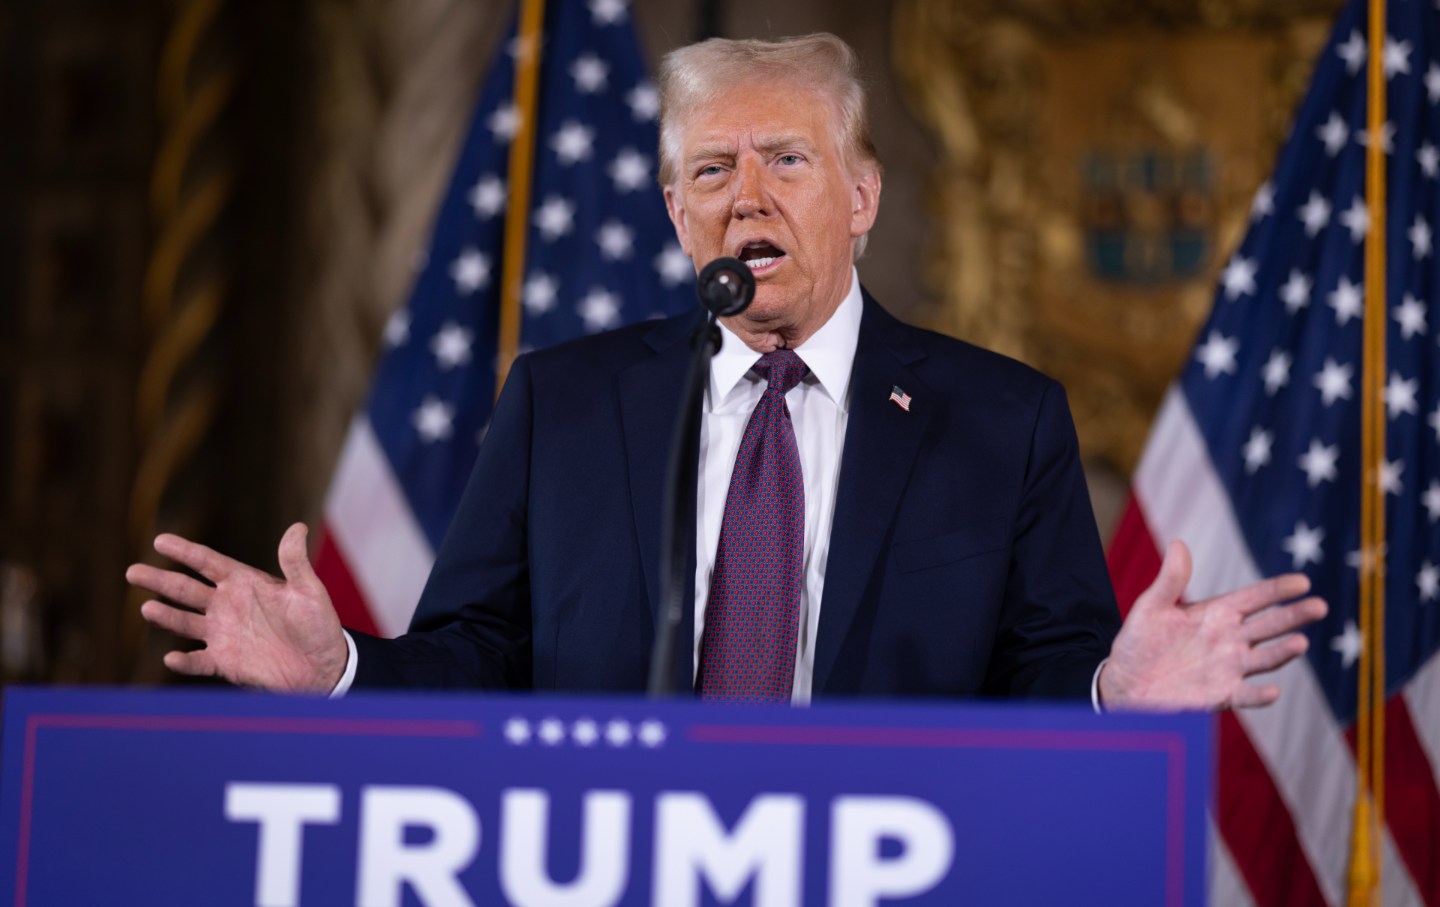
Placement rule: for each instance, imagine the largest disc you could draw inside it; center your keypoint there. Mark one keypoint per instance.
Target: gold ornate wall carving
(1098, 158)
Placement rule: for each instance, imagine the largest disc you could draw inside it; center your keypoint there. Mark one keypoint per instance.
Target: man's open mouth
(760, 255)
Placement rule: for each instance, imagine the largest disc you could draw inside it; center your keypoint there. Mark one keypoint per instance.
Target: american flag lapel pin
(900, 398)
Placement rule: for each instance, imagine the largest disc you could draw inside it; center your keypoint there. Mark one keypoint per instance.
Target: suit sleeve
(472, 627)
(1059, 616)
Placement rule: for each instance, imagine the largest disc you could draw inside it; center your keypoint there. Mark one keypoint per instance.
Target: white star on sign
(572, 142)
(517, 731)
(504, 122)
(1239, 278)
(585, 732)
(616, 241)
(554, 218)
(1257, 449)
(1419, 236)
(539, 292)
(1334, 134)
(1263, 205)
(1395, 57)
(1303, 545)
(630, 170)
(674, 266)
(1296, 292)
(1432, 83)
(1356, 219)
(1353, 52)
(1347, 300)
(607, 12)
(471, 271)
(1428, 581)
(599, 310)
(1276, 371)
(1390, 476)
(1334, 381)
(551, 732)
(487, 196)
(397, 328)
(617, 733)
(1431, 500)
(590, 74)
(1429, 159)
(451, 346)
(1315, 213)
(1410, 313)
(1348, 644)
(644, 102)
(1218, 354)
(651, 734)
(1400, 395)
(1318, 463)
(433, 419)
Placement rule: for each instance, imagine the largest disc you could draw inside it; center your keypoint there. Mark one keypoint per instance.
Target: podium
(214, 798)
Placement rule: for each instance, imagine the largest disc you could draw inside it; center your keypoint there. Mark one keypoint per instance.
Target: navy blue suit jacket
(964, 558)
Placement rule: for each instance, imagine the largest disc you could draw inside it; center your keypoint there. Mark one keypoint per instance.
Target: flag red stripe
(1257, 826)
(1412, 803)
(335, 573)
(1133, 558)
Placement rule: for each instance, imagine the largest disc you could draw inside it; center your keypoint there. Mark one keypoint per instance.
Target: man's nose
(751, 196)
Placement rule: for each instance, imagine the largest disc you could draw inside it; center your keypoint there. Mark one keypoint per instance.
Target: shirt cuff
(348, 677)
(1094, 681)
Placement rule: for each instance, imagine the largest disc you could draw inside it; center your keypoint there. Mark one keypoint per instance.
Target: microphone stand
(725, 286)
(679, 510)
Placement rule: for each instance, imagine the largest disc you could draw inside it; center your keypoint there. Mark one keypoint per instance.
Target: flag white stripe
(1423, 696)
(371, 523)
(1300, 742)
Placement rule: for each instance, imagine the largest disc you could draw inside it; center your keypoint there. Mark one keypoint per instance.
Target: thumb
(1169, 585)
(294, 560)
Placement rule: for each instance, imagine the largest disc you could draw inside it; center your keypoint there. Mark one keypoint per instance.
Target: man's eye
(710, 170)
(789, 159)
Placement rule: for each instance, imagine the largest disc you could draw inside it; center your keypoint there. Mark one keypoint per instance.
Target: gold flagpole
(1369, 817)
(522, 163)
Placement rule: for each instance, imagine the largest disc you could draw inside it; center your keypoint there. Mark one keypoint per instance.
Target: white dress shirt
(819, 408)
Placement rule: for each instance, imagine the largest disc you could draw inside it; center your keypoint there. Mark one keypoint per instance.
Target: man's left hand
(1176, 655)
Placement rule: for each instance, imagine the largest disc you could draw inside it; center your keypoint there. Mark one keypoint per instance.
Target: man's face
(761, 177)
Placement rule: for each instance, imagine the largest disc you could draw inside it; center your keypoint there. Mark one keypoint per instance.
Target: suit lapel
(650, 405)
(881, 443)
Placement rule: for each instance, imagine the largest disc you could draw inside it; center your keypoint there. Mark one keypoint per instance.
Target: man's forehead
(771, 116)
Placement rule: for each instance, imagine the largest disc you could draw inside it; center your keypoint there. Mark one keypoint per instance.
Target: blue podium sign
(214, 798)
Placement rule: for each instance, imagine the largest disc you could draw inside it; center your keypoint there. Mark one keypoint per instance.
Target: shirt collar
(829, 352)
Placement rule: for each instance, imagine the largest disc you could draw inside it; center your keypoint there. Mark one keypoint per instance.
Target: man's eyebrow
(784, 140)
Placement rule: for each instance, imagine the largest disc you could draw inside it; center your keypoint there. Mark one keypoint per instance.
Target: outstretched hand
(1174, 655)
(258, 630)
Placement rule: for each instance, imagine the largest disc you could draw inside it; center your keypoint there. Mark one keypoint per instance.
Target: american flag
(1254, 460)
(600, 252)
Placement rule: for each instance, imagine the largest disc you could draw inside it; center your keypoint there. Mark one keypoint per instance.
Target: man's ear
(676, 209)
(865, 198)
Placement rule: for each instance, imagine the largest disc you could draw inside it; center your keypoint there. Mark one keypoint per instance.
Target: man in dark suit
(935, 536)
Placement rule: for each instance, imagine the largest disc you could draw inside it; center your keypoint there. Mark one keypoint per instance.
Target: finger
(196, 664)
(205, 561)
(1278, 621)
(1277, 654)
(1252, 696)
(1169, 585)
(178, 587)
(1272, 591)
(294, 560)
(182, 623)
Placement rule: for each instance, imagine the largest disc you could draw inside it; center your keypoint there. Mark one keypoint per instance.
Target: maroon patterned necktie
(752, 615)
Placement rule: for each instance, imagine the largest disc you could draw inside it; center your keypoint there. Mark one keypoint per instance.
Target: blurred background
(209, 209)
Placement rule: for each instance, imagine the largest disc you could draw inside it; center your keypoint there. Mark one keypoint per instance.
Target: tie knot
(782, 370)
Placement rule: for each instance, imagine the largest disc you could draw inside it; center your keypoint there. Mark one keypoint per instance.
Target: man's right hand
(258, 630)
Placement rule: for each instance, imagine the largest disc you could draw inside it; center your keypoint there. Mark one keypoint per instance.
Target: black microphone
(725, 286)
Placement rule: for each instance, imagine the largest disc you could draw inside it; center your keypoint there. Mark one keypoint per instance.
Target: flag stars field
(1304, 545)
(1420, 237)
(1356, 219)
(1334, 134)
(555, 217)
(572, 143)
(1276, 371)
(504, 123)
(599, 310)
(538, 294)
(1400, 396)
(1427, 581)
(434, 420)
(1257, 449)
(1348, 301)
(1263, 204)
(1348, 644)
(630, 170)
(644, 102)
(590, 73)
(607, 12)
(1392, 476)
(1432, 83)
(1295, 292)
(1218, 355)
(674, 266)
(1428, 157)
(1430, 500)
(487, 196)
(470, 271)
(451, 346)
(1315, 213)
(1333, 381)
(616, 241)
(1410, 315)
(1239, 277)
(1319, 462)
(1353, 51)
